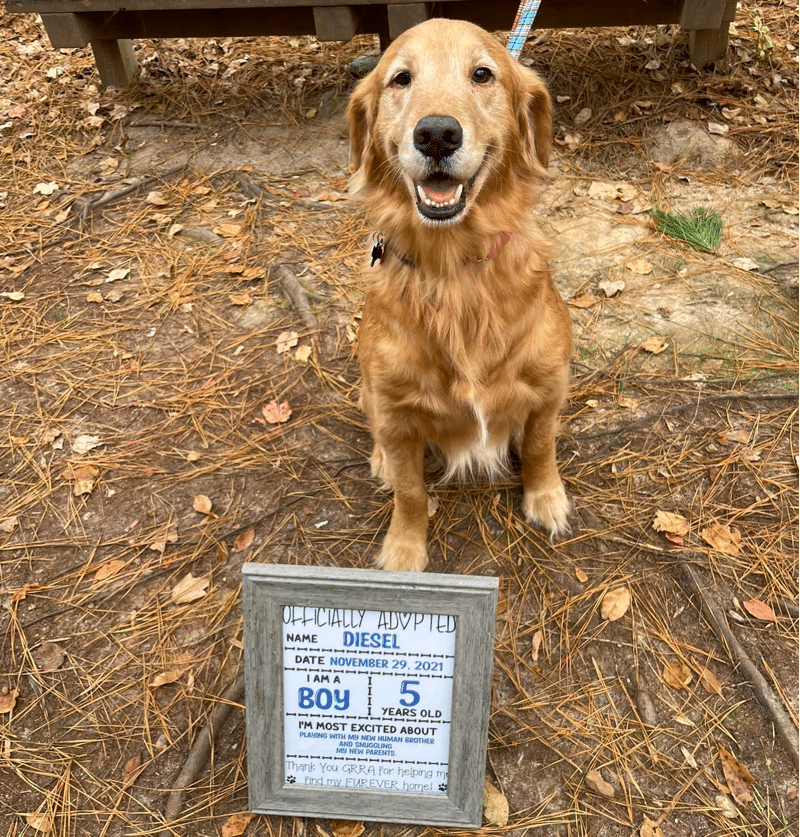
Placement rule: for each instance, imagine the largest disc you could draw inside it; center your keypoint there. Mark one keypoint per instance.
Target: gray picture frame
(267, 588)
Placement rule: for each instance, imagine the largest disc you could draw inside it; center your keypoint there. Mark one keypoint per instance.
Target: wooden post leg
(115, 62)
(708, 45)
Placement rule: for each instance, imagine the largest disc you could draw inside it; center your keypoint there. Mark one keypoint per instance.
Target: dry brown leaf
(346, 828)
(108, 569)
(131, 770)
(8, 700)
(166, 677)
(611, 287)
(9, 524)
(690, 759)
(726, 807)
(675, 524)
(581, 575)
(760, 610)
(710, 682)
(650, 829)
(244, 540)
(722, 538)
(156, 198)
(640, 266)
(303, 354)
(286, 340)
(737, 776)
(228, 230)
(536, 644)
(84, 443)
(275, 413)
(94, 296)
(586, 300)
(433, 505)
(49, 656)
(331, 196)
(741, 437)
(40, 822)
(595, 781)
(84, 477)
(189, 589)
(495, 805)
(654, 345)
(236, 824)
(240, 298)
(677, 674)
(615, 603)
(202, 504)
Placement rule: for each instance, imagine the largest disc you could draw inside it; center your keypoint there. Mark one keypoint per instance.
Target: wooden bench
(109, 25)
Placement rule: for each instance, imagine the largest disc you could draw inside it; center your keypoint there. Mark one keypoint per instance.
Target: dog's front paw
(402, 555)
(549, 509)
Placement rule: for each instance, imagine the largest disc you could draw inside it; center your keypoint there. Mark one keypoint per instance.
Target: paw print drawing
(443, 787)
(290, 780)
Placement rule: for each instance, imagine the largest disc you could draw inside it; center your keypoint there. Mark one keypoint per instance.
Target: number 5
(414, 695)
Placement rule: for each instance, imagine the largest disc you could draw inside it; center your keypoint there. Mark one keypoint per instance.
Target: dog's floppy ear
(535, 116)
(360, 121)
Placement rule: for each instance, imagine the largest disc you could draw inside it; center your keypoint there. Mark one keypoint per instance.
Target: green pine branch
(701, 228)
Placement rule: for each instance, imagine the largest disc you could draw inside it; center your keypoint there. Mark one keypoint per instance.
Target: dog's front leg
(545, 502)
(404, 545)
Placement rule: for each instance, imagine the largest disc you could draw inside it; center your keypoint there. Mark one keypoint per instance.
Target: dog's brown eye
(482, 75)
(402, 79)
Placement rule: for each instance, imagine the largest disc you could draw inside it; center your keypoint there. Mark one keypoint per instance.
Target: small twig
(161, 123)
(255, 190)
(201, 750)
(297, 295)
(92, 206)
(766, 696)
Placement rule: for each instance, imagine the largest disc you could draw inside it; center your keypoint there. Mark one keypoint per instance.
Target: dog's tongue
(439, 197)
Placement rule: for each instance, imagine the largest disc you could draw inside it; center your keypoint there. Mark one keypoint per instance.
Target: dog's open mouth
(441, 198)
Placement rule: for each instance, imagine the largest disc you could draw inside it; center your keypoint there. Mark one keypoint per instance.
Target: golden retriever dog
(464, 342)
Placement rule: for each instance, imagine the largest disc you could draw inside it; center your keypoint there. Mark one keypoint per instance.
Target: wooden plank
(708, 45)
(730, 11)
(77, 6)
(208, 23)
(402, 16)
(67, 31)
(553, 13)
(115, 62)
(702, 14)
(335, 23)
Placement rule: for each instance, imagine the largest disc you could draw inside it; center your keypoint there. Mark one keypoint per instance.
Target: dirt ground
(143, 330)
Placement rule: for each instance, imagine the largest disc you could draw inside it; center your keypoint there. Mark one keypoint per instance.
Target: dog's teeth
(421, 194)
(459, 190)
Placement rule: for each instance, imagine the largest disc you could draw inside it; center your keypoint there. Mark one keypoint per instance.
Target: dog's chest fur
(465, 378)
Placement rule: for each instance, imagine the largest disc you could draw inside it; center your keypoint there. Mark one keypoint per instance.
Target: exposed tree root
(719, 624)
(200, 751)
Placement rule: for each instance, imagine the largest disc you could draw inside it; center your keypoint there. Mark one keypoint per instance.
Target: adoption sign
(375, 712)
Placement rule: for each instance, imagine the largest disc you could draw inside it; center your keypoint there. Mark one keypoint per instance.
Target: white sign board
(378, 712)
(367, 698)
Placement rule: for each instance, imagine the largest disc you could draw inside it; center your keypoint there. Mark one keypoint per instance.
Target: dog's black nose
(437, 136)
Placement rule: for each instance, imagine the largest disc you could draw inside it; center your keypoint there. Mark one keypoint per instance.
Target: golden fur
(464, 342)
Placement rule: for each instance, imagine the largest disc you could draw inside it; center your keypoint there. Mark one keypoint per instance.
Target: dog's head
(447, 111)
